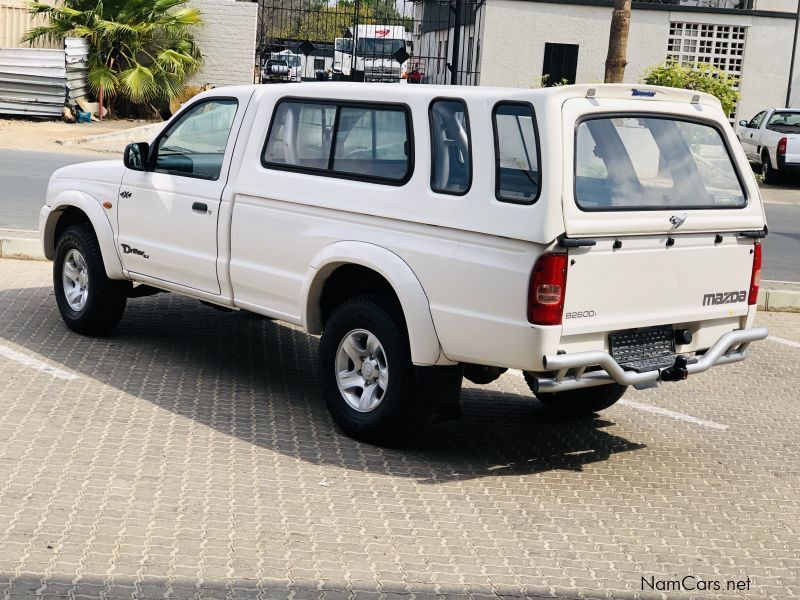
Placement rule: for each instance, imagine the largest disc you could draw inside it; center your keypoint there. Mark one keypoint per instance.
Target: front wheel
(579, 403)
(89, 302)
(366, 372)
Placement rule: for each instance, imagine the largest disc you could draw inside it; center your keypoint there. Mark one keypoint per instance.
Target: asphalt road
(23, 183)
(188, 455)
(24, 176)
(782, 245)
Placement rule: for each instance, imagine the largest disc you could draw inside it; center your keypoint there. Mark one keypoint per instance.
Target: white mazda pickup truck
(771, 139)
(593, 237)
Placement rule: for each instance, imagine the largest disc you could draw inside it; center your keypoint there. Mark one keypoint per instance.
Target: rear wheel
(579, 403)
(89, 302)
(366, 372)
(770, 174)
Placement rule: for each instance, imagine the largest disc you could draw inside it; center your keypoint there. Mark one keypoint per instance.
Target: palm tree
(141, 50)
(616, 60)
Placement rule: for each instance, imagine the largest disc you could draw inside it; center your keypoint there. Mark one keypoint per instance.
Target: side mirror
(136, 156)
(743, 123)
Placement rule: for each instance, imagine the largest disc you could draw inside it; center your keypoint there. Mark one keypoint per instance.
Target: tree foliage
(701, 77)
(322, 21)
(141, 50)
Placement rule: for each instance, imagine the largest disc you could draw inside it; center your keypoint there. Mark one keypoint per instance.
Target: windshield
(653, 163)
(293, 60)
(785, 121)
(344, 45)
(378, 48)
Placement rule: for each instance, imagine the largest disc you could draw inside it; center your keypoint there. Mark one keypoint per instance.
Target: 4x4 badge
(125, 194)
(678, 220)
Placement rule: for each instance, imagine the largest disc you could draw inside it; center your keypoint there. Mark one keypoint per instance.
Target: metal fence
(395, 41)
(15, 21)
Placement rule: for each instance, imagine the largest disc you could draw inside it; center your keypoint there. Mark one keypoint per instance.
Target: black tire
(582, 402)
(105, 298)
(770, 174)
(399, 410)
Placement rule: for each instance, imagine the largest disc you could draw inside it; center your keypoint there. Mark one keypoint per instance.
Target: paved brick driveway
(189, 456)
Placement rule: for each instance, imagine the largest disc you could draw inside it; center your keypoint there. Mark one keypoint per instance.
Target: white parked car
(594, 237)
(771, 139)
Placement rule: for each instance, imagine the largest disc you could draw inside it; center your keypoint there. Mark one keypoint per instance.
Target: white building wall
(765, 72)
(516, 31)
(776, 5)
(227, 40)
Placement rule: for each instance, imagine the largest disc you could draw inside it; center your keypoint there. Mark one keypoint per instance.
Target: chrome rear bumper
(570, 369)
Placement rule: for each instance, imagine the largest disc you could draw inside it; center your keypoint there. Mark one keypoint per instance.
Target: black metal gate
(402, 41)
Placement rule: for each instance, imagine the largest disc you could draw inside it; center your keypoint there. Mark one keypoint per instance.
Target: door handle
(200, 206)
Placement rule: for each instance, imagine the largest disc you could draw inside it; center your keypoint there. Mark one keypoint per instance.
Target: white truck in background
(285, 66)
(370, 51)
(771, 139)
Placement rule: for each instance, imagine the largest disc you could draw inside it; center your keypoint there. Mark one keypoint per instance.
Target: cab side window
(755, 122)
(194, 146)
(348, 140)
(516, 143)
(302, 135)
(451, 158)
(371, 142)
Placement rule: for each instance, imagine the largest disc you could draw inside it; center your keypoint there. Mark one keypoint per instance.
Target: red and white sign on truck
(372, 52)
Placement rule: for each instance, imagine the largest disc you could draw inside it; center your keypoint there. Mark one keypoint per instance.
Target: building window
(560, 64)
(719, 45)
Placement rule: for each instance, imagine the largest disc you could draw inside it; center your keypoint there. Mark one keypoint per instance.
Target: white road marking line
(656, 410)
(791, 343)
(35, 363)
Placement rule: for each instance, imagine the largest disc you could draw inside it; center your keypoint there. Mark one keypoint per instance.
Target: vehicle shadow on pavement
(256, 380)
(30, 585)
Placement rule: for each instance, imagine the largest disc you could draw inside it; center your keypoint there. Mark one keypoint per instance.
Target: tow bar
(678, 371)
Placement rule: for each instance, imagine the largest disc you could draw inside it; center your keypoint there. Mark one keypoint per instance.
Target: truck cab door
(168, 213)
(750, 136)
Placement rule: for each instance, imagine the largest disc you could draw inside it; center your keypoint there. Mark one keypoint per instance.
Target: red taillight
(546, 290)
(755, 278)
(782, 146)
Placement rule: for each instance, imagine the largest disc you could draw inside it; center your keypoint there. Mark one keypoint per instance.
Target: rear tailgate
(662, 192)
(645, 282)
(793, 149)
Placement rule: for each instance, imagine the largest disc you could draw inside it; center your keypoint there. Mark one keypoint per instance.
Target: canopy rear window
(653, 163)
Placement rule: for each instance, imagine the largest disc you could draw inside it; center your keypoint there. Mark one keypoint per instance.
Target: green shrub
(701, 77)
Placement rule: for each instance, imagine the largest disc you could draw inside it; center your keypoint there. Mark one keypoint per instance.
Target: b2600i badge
(579, 314)
(724, 298)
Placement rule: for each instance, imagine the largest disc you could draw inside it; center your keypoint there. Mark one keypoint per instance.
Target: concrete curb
(30, 248)
(20, 248)
(779, 300)
(137, 133)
